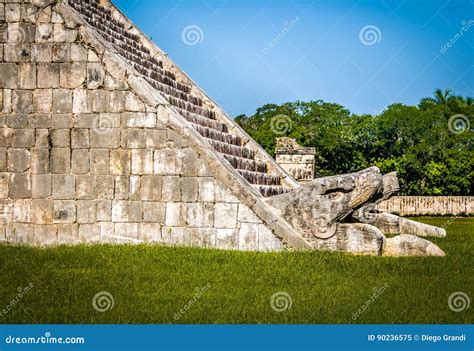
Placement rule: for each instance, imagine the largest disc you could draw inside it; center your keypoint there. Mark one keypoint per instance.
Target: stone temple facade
(104, 139)
(295, 159)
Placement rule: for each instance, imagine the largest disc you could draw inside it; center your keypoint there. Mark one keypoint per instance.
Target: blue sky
(362, 54)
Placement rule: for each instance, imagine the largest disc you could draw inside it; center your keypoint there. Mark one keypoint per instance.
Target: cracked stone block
(42, 120)
(42, 138)
(60, 138)
(72, 75)
(206, 189)
(9, 76)
(18, 160)
(117, 101)
(135, 211)
(64, 187)
(104, 187)
(154, 212)
(81, 103)
(120, 211)
(171, 189)
(39, 161)
(150, 188)
(89, 233)
(24, 138)
(3, 159)
(40, 186)
(62, 101)
(21, 211)
(150, 232)
(43, 100)
(45, 235)
(100, 161)
(122, 187)
(86, 211)
(100, 100)
(142, 161)
(200, 214)
(43, 53)
(22, 101)
(60, 160)
(95, 75)
(64, 211)
(267, 241)
(68, 233)
(189, 189)
(105, 138)
(104, 210)
(27, 75)
(61, 52)
(80, 161)
(41, 211)
(85, 187)
(225, 215)
(120, 160)
(223, 193)
(248, 236)
(176, 214)
(187, 162)
(78, 53)
(245, 214)
(62, 121)
(20, 187)
(227, 239)
(80, 138)
(48, 75)
(126, 230)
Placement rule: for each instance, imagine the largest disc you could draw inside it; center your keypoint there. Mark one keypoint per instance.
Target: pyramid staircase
(232, 143)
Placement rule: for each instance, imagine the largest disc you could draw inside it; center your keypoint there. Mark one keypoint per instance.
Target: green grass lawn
(151, 284)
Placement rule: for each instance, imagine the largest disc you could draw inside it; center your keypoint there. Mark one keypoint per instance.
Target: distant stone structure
(429, 205)
(295, 159)
(104, 139)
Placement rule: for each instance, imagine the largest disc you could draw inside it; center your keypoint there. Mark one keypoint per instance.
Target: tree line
(430, 145)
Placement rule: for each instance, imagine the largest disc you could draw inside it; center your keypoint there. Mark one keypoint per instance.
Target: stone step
(245, 163)
(233, 150)
(272, 190)
(204, 122)
(216, 135)
(259, 178)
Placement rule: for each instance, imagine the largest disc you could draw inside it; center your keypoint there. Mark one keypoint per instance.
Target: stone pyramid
(105, 139)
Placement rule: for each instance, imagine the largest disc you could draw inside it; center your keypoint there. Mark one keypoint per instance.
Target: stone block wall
(86, 157)
(429, 205)
(298, 161)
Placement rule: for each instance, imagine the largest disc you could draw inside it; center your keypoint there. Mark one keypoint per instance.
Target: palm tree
(440, 97)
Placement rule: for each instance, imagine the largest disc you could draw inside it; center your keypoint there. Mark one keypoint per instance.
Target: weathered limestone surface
(107, 140)
(411, 245)
(91, 153)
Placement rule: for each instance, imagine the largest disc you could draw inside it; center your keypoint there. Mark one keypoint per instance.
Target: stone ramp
(242, 153)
